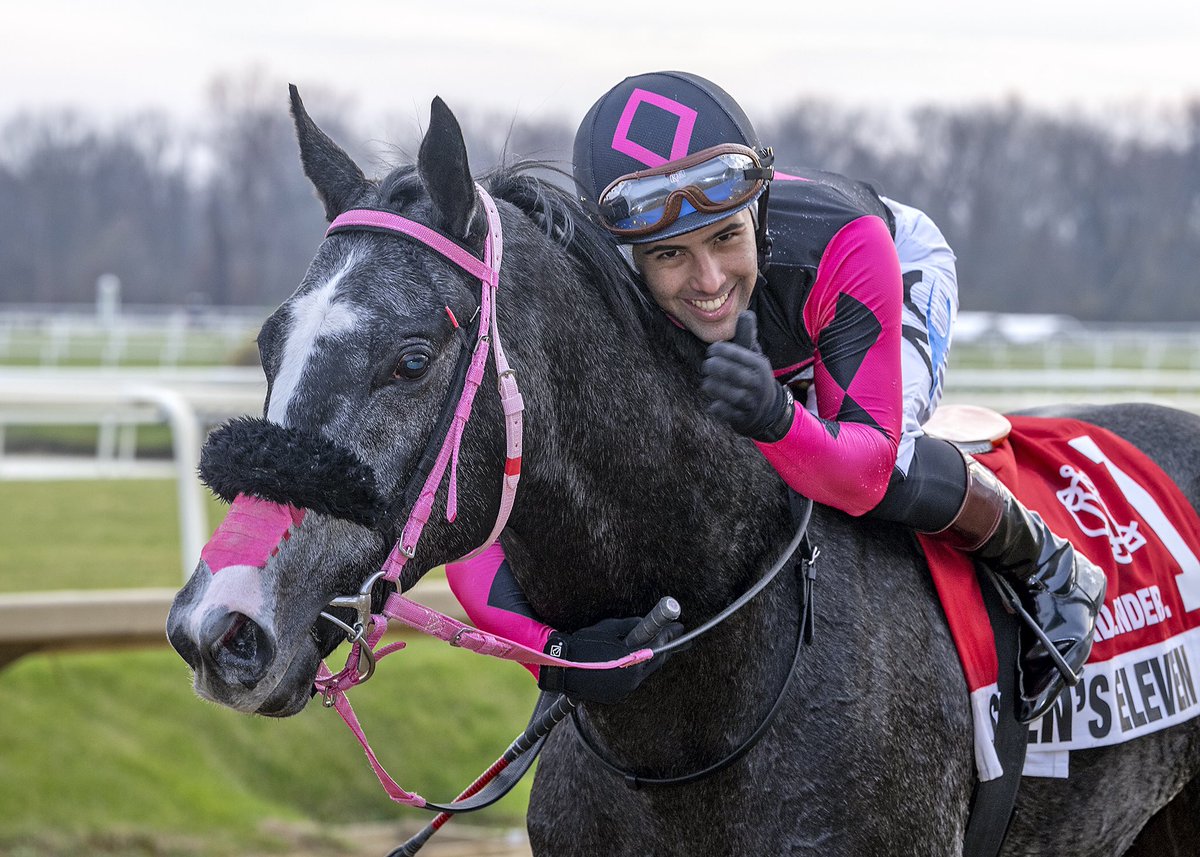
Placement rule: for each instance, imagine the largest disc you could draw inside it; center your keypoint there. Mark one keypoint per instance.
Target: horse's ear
(338, 180)
(442, 164)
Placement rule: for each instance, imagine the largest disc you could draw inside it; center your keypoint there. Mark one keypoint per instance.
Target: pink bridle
(371, 627)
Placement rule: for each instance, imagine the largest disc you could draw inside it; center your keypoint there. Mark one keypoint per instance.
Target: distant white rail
(64, 335)
(1012, 389)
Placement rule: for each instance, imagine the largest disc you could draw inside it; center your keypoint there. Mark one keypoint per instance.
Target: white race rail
(1012, 389)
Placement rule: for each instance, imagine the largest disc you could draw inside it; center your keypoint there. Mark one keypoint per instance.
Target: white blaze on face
(312, 315)
(251, 534)
(237, 589)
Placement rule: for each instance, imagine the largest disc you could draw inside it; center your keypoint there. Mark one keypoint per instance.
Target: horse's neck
(630, 492)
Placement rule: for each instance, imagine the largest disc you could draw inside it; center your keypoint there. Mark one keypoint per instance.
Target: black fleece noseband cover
(248, 455)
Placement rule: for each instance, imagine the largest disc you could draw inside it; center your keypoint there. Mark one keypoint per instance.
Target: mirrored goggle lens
(727, 179)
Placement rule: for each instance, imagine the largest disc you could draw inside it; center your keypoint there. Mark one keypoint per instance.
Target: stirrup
(1013, 603)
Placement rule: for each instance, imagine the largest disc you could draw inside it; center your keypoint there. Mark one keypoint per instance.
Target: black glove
(604, 641)
(743, 388)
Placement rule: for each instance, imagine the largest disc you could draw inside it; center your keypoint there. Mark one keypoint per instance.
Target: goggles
(716, 179)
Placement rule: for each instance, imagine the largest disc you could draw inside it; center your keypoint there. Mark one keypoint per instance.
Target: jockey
(827, 310)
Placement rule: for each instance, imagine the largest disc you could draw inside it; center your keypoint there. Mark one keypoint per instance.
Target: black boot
(1060, 588)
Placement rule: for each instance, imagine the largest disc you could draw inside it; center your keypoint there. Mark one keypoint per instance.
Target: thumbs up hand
(743, 389)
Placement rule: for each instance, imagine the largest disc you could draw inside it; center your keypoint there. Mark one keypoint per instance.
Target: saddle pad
(1128, 517)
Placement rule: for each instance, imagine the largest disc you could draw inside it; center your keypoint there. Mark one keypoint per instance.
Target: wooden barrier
(119, 618)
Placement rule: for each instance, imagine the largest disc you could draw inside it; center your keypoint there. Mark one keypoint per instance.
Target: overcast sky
(541, 60)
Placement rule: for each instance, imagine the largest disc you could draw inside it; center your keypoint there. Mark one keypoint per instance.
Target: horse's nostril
(183, 643)
(240, 648)
(233, 639)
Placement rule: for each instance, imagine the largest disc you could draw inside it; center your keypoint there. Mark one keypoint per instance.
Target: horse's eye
(411, 366)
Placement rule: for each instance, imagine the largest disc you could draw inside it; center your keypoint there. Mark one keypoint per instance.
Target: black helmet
(650, 120)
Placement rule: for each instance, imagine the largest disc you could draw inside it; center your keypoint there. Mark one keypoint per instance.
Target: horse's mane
(568, 224)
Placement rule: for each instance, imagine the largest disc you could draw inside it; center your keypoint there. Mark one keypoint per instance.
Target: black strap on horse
(806, 573)
(993, 802)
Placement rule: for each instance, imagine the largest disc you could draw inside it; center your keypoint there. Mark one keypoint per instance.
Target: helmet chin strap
(761, 238)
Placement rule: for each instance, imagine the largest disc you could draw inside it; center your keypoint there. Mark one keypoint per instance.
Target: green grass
(111, 752)
(27, 347)
(90, 535)
(1052, 355)
(100, 745)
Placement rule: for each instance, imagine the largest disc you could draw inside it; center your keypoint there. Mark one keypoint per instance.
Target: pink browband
(398, 607)
(369, 218)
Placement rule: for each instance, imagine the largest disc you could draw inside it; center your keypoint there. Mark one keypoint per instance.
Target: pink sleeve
(508, 614)
(844, 456)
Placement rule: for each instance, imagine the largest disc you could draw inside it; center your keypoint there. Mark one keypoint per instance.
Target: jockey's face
(704, 278)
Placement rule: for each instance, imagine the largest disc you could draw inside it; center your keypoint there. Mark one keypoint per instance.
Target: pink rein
(404, 610)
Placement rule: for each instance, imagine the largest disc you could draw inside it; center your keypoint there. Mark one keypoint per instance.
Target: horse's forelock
(400, 189)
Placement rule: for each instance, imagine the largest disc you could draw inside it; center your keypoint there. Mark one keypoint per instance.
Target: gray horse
(630, 492)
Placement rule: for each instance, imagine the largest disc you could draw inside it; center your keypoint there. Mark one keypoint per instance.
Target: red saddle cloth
(1127, 516)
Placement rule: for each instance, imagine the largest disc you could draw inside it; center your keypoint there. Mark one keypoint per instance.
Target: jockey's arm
(488, 592)
(844, 454)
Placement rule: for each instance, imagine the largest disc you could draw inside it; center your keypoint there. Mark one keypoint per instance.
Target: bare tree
(1046, 213)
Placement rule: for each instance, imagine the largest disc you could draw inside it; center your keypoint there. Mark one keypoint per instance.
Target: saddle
(973, 429)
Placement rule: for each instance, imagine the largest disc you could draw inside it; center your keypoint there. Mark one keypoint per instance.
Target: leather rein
(807, 574)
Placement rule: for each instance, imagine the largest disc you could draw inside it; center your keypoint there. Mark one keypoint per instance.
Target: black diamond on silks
(251, 456)
(910, 279)
(854, 329)
(918, 336)
(852, 411)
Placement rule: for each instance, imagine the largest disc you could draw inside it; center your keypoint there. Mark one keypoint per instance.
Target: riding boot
(1060, 589)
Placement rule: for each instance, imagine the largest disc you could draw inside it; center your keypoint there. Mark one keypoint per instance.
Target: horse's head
(360, 362)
